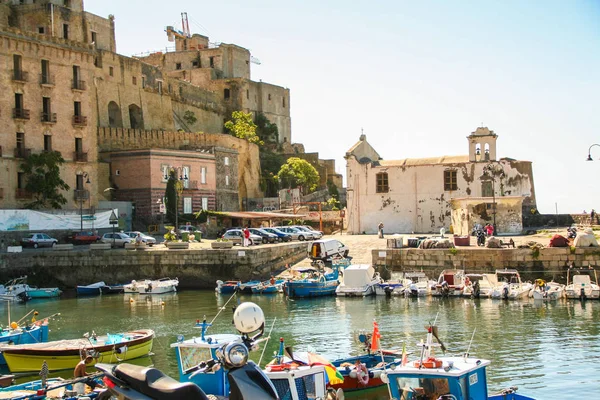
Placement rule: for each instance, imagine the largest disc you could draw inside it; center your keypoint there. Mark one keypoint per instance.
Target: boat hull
(85, 291)
(151, 287)
(112, 289)
(37, 334)
(351, 382)
(354, 292)
(310, 289)
(44, 293)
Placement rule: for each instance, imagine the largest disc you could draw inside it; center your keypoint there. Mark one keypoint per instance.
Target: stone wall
(551, 263)
(196, 269)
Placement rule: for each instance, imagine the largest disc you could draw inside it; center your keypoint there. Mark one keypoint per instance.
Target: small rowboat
(94, 289)
(65, 354)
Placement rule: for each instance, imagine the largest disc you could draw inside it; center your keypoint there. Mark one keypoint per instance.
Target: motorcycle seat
(155, 384)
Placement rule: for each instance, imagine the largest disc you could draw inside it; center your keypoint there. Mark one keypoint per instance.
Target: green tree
(265, 129)
(297, 172)
(242, 126)
(173, 185)
(42, 172)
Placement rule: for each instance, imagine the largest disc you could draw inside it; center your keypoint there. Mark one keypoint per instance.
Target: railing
(78, 85)
(49, 117)
(21, 152)
(46, 79)
(79, 156)
(20, 113)
(23, 194)
(79, 120)
(51, 151)
(20, 76)
(81, 194)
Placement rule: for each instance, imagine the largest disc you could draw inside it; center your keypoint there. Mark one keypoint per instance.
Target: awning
(256, 215)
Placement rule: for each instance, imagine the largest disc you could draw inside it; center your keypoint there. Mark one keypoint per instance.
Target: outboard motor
(445, 289)
(246, 380)
(505, 292)
(388, 291)
(476, 291)
(582, 294)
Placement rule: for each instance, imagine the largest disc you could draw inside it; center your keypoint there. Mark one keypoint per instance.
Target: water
(548, 350)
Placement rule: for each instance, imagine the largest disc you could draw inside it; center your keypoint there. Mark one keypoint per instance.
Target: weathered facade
(424, 195)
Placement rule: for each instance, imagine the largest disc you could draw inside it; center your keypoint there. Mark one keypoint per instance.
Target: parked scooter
(480, 237)
(246, 380)
(571, 232)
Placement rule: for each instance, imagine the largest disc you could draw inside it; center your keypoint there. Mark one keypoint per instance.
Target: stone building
(426, 194)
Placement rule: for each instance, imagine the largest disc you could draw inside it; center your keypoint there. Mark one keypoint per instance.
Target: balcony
(79, 156)
(78, 85)
(79, 120)
(19, 76)
(21, 152)
(51, 151)
(23, 194)
(20, 113)
(49, 118)
(81, 194)
(46, 80)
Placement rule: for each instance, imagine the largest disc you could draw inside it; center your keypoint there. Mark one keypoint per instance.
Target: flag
(375, 338)
(404, 355)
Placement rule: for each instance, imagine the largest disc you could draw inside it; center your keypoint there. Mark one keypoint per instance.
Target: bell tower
(482, 145)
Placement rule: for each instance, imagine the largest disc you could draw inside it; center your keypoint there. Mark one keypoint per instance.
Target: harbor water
(549, 350)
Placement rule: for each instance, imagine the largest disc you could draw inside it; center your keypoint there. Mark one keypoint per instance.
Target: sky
(417, 77)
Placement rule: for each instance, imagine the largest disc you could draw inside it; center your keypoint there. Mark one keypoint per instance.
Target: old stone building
(426, 194)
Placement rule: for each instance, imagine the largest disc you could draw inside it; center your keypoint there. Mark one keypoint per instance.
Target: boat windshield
(422, 388)
(192, 356)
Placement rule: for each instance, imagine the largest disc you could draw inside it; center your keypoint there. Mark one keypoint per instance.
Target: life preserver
(362, 374)
(430, 362)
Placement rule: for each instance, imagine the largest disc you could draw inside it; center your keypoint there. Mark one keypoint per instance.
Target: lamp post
(81, 197)
(180, 177)
(590, 152)
(491, 171)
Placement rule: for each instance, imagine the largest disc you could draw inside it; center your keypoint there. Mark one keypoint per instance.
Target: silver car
(297, 234)
(149, 240)
(36, 240)
(118, 239)
(237, 236)
(316, 234)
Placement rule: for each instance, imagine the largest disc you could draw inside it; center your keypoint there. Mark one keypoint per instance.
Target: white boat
(147, 286)
(509, 285)
(543, 290)
(417, 284)
(450, 283)
(479, 283)
(358, 280)
(580, 284)
(15, 289)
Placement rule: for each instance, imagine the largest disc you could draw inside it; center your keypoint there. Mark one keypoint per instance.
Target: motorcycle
(246, 380)
(571, 232)
(480, 237)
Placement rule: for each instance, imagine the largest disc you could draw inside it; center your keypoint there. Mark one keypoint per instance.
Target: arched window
(114, 115)
(136, 118)
(382, 183)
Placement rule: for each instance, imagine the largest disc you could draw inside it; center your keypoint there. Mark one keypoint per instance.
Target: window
(41, 30)
(93, 34)
(226, 180)
(21, 180)
(18, 67)
(283, 102)
(79, 145)
(450, 180)
(67, 3)
(47, 110)
(165, 172)
(186, 177)
(20, 140)
(226, 94)
(187, 205)
(143, 82)
(226, 160)
(177, 65)
(134, 80)
(77, 108)
(111, 71)
(205, 203)
(79, 182)
(19, 101)
(247, 94)
(212, 62)
(45, 71)
(382, 183)
(269, 96)
(170, 88)
(47, 143)
(77, 84)
(159, 87)
(195, 64)
(486, 189)
(65, 31)
(203, 175)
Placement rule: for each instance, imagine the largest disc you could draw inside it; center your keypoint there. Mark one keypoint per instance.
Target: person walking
(380, 230)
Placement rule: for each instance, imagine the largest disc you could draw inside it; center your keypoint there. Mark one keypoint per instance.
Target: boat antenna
(222, 308)
(267, 342)
(470, 343)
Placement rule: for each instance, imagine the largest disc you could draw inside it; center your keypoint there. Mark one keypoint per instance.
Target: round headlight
(236, 354)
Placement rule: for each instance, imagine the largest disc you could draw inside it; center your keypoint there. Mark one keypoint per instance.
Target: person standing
(592, 217)
(380, 230)
(489, 230)
(246, 233)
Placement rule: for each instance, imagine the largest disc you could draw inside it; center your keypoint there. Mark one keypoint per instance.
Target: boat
(15, 290)
(246, 287)
(43, 293)
(390, 288)
(65, 354)
(358, 280)
(93, 289)
(6, 380)
(479, 285)
(451, 282)
(267, 287)
(418, 284)
(312, 283)
(543, 290)
(434, 377)
(147, 286)
(509, 285)
(580, 284)
(113, 289)
(51, 388)
(227, 287)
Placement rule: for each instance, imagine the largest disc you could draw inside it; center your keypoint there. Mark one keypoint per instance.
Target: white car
(296, 233)
(118, 239)
(149, 240)
(237, 236)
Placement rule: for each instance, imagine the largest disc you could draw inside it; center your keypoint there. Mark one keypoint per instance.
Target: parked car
(325, 249)
(85, 237)
(297, 234)
(282, 236)
(149, 240)
(118, 239)
(188, 228)
(267, 237)
(316, 234)
(310, 228)
(236, 236)
(36, 240)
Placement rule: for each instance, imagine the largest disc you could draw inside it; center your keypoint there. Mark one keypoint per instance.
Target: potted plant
(14, 247)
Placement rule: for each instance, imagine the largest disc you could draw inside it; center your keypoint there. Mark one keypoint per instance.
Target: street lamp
(590, 152)
(82, 197)
(180, 177)
(491, 171)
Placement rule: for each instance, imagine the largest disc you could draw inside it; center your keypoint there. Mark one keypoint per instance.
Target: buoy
(131, 300)
(162, 303)
(14, 325)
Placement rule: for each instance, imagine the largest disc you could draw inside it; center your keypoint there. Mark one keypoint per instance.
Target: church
(423, 195)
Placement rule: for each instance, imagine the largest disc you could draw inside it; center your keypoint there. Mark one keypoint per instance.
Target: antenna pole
(268, 337)
(222, 308)
(470, 343)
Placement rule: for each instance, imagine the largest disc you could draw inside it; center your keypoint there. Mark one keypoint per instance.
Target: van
(326, 249)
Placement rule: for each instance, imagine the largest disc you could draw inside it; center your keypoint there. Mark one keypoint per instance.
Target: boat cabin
(301, 383)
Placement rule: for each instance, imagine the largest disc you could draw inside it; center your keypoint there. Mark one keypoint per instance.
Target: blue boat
(246, 287)
(228, 287)
(36, 333)
(94, 289)
(36, 390)
(267, 287)
(315, 284)
(43, 293)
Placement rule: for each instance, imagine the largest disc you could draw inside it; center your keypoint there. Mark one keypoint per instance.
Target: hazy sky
(418, 76)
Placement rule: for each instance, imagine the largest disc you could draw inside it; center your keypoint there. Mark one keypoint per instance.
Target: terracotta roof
(408, 162)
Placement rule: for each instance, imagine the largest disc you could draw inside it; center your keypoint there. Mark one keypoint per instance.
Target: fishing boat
(313, 283)
(267, 287)
(418, 284)
(390, 288)
(479, 285)
(65, 354)
(509, 285)
(43, 293)
(358, 280)
(451, 282)
(93, 289)
(147, 286)
(246, 287)
(580, 284)
(433, 377)
(543, 290)
(15, 290)
(51, 388)
(113, 289)
(227, 287)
